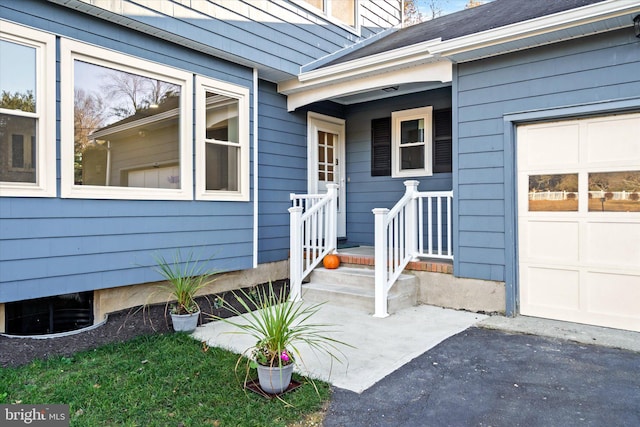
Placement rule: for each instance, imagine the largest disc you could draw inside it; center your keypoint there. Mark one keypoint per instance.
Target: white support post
(295, 257)
(332, 232)
(381, 269)
(411, 226)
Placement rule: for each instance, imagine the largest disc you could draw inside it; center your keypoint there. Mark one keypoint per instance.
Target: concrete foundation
(115, 299)
(445, 290)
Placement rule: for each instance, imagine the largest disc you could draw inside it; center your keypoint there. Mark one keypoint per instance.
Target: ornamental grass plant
(280, 326)
(184, 279)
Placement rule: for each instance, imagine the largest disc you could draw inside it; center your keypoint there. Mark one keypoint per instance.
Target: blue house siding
(51, 246)
(282, 160)
(366, 192)
(280, 36)
(575, 73)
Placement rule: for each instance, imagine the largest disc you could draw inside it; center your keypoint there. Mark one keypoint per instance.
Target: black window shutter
(381, 147)
(442, 141)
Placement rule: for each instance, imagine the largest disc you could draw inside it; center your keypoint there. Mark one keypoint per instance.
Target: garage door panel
(562, 141)
(613, 140)
(616, 295)
(555, 241)
(613, 243)
(563, 284)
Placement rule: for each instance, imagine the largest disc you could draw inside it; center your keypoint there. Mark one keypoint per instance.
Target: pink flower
(284, 356)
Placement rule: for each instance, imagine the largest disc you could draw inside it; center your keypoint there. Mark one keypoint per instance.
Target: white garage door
(579, 220)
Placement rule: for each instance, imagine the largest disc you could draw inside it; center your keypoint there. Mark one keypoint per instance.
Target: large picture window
(126, 126)
(222, 140)
(27, 112)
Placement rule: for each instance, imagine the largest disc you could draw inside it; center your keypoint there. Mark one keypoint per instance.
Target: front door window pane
(326, 159)
(126, 129)
(553, 192)
(614, 191)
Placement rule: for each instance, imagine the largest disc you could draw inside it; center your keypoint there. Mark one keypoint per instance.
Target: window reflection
(614, 191)
(222, 143)
(126, 129)
(557, 192)
(17, 77)
(18, 134)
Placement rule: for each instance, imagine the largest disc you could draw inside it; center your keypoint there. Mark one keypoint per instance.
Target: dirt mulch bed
(121, 326)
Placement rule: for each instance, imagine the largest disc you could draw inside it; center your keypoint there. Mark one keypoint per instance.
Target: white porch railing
(400, 236)
(313, 233)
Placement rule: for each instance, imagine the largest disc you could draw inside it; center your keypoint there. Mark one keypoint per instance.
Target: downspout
(255, 168)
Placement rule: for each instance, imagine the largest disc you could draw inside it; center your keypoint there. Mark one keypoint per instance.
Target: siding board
(584, 71)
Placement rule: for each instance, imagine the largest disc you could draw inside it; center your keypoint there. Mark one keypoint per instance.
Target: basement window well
(50, 315)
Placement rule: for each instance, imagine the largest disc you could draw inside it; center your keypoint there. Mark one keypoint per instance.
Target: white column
(332, 232)
(411, 225)
(295, 249)
(381, 269)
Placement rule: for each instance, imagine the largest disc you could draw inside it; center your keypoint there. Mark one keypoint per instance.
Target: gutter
(538, 26)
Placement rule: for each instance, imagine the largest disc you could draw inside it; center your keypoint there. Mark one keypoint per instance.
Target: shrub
(571, 196)
(634, 196)
(608, 195)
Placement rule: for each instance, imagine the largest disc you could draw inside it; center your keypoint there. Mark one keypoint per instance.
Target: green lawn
(156, 380)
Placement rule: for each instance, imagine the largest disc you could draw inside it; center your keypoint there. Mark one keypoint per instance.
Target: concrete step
(355, 287)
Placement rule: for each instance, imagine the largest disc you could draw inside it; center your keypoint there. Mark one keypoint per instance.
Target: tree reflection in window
(614, 191)
(126, 128)
(558, 192)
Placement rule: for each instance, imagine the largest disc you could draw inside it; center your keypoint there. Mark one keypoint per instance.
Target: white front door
(579, 220)
(325, 156)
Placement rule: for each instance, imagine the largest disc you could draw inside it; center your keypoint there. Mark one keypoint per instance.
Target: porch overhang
(428, 64)
(367, 78)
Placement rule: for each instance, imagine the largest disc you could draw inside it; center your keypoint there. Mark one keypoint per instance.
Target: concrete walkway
(428, 366)
(381, 345)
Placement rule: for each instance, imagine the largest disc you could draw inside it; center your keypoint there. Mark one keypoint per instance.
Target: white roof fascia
(385, 60)
(545, 24)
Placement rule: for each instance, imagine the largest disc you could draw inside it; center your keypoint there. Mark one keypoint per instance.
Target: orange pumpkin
(331, 261)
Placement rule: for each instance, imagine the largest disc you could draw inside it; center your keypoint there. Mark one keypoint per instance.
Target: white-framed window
(411, 142)
(222, 140)
(126, 126)
(27, 112)
(342, 12)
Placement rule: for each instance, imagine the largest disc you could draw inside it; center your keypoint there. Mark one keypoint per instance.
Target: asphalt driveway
(485, 377)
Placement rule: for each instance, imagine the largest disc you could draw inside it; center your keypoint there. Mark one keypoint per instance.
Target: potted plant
(184, 278)
(279, 326)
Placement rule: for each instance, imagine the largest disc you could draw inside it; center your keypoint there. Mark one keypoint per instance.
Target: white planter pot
(185, 322)
(274, 380)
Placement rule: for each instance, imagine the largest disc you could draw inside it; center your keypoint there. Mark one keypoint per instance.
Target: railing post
(332, 232)
(411, 225)
(295, 256)
(381, 269)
